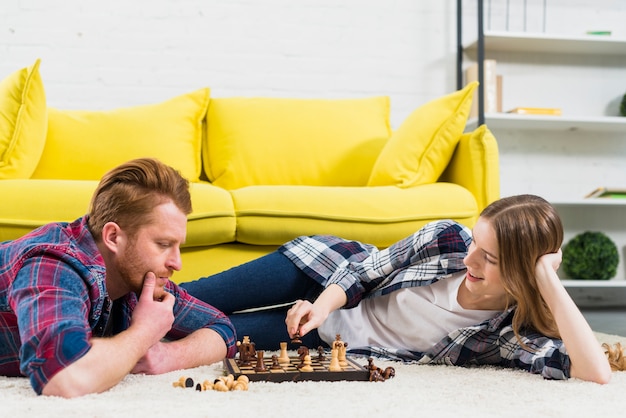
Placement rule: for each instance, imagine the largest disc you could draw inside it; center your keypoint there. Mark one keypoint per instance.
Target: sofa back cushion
(23, 122)
(84, 144)
(420, 149)
(280, 141)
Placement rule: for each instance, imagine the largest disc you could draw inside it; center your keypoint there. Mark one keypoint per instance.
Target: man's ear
(112, 236)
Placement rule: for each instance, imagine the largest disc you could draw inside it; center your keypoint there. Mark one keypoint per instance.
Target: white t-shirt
(414, 318)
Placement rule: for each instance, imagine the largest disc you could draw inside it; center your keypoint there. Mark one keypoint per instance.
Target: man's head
(128, 193)
(138, 217)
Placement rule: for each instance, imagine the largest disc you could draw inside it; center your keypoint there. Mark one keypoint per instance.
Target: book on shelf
(608, 192)
(536, 111)
(492, 87)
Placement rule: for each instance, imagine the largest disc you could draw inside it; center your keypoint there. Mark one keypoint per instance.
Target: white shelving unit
(578, 214)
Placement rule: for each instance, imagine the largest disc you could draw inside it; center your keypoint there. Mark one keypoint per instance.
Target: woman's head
(526, 227)
(128, 194)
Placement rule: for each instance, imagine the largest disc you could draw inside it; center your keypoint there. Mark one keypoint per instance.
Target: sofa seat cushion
(283, 141)
(213, 218)
(33, 203)
(272, 215)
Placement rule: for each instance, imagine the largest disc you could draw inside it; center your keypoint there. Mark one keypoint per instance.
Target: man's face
(154, 248)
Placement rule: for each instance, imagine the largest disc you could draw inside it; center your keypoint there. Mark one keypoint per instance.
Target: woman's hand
(305, 316)
(552, 260)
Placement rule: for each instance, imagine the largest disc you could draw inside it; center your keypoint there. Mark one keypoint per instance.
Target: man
(83, 304)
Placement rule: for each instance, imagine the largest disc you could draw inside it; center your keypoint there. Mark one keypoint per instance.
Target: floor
(607, 320)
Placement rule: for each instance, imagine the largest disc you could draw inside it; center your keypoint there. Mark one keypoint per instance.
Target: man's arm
(110, 359)
(204, 346)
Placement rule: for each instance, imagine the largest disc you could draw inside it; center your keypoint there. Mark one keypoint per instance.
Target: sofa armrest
(475, 166)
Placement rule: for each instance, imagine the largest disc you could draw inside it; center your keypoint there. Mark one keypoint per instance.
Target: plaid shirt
(433, 253)
(53, 300)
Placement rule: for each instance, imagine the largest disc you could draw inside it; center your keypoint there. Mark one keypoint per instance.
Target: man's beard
(131, 269)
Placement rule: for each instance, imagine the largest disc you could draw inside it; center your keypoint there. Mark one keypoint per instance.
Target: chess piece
(320, 354)
(260, 365)
(302, 352)
(340, 346)
(284, 356)
(275, 365)
(377, 374)
(306, 367)
(334, 365)
(246, 351)
(342, 354)
(296, 338)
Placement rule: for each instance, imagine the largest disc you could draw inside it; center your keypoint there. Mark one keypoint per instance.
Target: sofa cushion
(419, 150)
(38, 202)
(85, 144)
(23, 122)
(213, 218)
(272, 215)
(279, 141)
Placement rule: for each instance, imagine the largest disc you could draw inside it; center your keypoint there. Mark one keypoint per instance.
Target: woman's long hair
(526, 227)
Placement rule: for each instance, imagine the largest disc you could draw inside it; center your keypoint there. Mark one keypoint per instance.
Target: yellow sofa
(262, 170)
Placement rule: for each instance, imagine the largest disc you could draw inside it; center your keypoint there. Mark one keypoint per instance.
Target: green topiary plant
(622, 107)
(590, 256)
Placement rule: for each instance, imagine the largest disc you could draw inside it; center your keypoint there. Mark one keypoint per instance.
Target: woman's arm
(587, 358)
(435, 251)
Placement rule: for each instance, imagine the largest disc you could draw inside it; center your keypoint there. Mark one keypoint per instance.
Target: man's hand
(154, 313)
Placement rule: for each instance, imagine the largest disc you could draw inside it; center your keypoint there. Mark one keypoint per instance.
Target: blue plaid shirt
(53, 299)
(433, 253)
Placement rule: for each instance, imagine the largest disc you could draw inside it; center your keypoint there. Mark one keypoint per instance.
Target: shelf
(594, 283)
(496, 121)
(599, 201)
(540, 42)
(596, 294)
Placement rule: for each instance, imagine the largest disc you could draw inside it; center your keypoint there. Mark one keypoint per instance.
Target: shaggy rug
(442, 391)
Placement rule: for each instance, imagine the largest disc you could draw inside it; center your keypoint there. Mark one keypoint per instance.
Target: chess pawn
(306, 367)
(284, 356)
(334, 365)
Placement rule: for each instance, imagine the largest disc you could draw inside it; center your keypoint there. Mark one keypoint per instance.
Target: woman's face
(483, 264)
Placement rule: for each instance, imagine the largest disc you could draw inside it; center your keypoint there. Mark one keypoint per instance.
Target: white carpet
(442, 391)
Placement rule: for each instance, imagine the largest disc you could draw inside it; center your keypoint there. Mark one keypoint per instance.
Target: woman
(440, 296)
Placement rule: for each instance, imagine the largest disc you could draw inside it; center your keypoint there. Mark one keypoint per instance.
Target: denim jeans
(271, 282)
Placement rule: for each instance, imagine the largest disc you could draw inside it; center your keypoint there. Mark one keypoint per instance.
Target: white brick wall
(106, 54)
(113, 53)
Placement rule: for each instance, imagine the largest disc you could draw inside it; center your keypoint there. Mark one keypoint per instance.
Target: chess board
(291, 373)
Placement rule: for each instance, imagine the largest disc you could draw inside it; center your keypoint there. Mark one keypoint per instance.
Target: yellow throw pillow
(284, 141)
(419, 150)
(83, 144)
(23, 122)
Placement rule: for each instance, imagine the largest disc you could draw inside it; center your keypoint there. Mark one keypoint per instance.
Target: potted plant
(590, 256)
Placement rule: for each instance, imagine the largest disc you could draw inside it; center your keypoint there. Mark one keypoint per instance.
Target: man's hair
(128, 193)
(526, 227)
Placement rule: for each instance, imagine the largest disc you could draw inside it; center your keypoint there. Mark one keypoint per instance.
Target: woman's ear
(112, 236)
